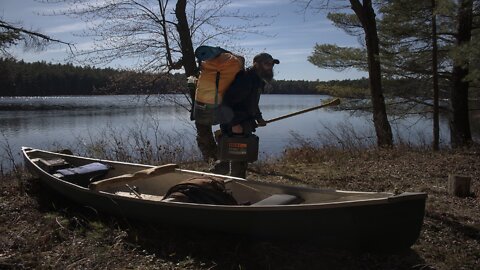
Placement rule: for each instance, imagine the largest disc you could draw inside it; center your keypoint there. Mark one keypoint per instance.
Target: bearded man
(240, 109)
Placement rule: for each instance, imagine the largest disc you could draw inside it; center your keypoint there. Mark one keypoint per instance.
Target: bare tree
(160, 36)
(154, 34)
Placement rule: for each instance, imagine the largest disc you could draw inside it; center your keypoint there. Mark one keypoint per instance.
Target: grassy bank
(40, 229)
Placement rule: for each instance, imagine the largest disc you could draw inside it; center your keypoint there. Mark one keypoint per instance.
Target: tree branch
(30, 33)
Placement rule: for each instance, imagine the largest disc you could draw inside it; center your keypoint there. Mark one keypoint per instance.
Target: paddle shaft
(331, 103)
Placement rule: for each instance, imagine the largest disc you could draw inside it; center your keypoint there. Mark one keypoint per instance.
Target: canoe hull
(394, 224)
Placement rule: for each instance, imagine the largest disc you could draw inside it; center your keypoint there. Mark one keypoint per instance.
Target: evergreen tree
(413, 36)
(413, 45)
(361, 23)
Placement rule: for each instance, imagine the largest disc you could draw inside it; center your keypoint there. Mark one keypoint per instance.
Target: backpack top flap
(208, 52)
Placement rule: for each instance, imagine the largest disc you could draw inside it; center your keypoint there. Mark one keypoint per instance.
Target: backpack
(203, 190)
(218, 68)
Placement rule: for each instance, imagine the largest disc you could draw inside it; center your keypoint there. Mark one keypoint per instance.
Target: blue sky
(291, 36)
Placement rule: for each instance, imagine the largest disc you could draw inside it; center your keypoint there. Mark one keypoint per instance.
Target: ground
(39, 229)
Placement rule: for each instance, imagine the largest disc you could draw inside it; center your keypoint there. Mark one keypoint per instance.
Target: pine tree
(422, 41)
(361, 23)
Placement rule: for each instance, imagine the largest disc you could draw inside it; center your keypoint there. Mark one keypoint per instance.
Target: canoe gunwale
(311, 206)
(304, 206)
(300, 188)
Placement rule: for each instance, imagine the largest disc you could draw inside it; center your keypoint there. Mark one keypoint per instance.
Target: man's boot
(238, 169)
(220, 167)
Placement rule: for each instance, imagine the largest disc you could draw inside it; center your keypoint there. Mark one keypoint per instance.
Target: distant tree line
(41, 79)
(19, 78)
(293, 87)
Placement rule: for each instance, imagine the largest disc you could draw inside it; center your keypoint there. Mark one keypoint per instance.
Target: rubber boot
(220, 167)
(238, 169)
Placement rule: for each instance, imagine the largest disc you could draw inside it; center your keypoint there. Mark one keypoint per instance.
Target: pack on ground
(218, 69)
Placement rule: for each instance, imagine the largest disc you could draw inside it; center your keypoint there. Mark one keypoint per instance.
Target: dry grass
(39, 229)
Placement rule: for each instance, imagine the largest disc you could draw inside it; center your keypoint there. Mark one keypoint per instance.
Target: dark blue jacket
(242, 99)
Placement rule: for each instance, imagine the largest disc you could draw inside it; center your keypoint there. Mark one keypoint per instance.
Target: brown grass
(40, 229)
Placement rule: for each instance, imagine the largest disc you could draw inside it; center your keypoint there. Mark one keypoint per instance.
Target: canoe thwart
(126, 178)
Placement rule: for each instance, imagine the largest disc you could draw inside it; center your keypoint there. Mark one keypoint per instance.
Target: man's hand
(261, 122)
(237, 129)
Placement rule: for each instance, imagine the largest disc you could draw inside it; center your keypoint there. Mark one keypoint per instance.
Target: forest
(19, 78)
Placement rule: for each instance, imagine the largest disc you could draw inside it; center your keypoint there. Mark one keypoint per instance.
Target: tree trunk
(188, 55)
(460, 134)
(205, 140)
(459, 185)
(436, 124)
(366, 15)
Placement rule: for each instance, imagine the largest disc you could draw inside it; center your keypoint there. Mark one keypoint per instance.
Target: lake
(73, 121)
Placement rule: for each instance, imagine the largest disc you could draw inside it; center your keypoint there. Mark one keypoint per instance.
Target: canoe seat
(127, 178)
(278, 199)
(83, 175)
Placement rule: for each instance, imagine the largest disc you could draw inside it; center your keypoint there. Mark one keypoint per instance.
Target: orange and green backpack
(218, 68)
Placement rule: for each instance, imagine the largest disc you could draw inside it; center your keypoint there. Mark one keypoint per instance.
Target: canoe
(329, 218)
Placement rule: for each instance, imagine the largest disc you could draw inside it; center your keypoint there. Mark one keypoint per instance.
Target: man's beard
(266, 75)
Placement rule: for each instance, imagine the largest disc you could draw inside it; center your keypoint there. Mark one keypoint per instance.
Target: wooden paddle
(331, 103)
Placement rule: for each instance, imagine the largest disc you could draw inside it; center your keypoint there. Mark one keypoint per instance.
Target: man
(240, 107)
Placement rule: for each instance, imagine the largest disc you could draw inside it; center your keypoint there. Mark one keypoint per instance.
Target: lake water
(55, 122)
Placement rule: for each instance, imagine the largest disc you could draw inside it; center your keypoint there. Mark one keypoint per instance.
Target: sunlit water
(53, 122)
